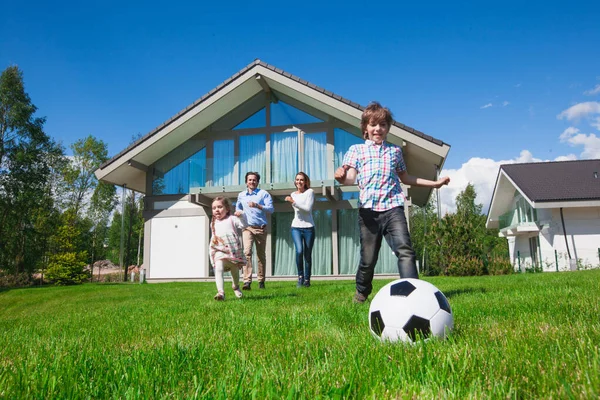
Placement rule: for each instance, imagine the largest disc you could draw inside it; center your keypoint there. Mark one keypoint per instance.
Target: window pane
(315, 155)
(223, 163)
(177, 179)
(284, 156)
(257, 120)
(252, 155)
(341, 143)
(284, 114)
(284, 260)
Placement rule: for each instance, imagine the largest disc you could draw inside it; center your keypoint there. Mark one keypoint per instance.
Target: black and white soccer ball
(410, 310)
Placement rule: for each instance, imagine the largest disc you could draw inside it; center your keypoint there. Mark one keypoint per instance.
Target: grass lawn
(520, 336)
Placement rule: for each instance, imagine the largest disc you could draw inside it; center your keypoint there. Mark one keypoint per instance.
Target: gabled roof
(129, 166)
(546, 185)
(557, 181)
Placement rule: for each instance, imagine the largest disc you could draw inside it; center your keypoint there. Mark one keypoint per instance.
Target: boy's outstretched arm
(414, 181)
(345, 175)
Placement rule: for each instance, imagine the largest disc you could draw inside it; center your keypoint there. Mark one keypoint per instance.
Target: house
(550, 214)
(267, 120)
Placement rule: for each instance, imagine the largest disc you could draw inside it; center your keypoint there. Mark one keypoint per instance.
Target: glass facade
(293, 140)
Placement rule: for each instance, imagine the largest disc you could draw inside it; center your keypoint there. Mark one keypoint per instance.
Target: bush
(499, 266)
(66, 269)
(464, 266)
(15, 280)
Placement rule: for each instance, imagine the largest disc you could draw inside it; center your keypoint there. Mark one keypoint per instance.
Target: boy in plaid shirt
(379, 167)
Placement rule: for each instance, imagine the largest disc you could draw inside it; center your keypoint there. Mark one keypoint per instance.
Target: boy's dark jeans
(375, 225)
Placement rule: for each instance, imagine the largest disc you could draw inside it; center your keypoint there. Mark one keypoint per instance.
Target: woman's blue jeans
(304, 238)
(374, 226)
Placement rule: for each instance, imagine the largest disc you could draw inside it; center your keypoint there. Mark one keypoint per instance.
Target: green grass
(521, 336)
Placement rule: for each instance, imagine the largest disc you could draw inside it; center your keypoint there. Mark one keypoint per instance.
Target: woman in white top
(303, 227)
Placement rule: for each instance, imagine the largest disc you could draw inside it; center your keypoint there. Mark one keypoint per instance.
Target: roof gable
(422, 152)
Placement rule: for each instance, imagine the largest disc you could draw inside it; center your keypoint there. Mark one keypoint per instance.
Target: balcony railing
(524, 216)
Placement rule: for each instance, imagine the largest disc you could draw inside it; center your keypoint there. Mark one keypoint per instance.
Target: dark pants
(392, 226)
(304, 239)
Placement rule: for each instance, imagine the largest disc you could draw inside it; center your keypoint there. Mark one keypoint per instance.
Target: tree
(460, 244)
(28, 161)
(88, 155)
(66, 262)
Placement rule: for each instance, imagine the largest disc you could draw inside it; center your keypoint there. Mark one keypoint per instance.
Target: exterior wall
(583, 236)
(176, 234)
(583, 240)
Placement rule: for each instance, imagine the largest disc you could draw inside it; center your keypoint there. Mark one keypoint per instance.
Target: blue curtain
(223, 163)
(252, 155)
(178, 179)
(315, 155)
(284, 260)
(284, 156)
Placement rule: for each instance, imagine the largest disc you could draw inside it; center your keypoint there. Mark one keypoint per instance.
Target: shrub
(15, 280)
(464, 266)
(500, 266)
(66, 269)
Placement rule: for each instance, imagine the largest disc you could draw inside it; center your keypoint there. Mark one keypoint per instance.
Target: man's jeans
(304, 239)
(375, 225)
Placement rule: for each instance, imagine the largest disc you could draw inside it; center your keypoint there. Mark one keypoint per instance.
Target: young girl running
(226, 251)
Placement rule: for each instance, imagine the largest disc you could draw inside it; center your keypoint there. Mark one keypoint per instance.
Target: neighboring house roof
(558, 180)
(546, 185)
(128, 166)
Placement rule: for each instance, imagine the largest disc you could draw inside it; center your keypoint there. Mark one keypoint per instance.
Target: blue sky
(504, 83)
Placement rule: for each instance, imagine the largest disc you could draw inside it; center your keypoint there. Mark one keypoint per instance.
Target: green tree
(66, 261)
(29, 160)
(460, 244)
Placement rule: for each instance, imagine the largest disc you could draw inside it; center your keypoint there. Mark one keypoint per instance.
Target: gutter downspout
(565, 232)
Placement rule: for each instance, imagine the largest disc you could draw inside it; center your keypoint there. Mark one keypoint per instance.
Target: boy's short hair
(252, 173)
(375, 112)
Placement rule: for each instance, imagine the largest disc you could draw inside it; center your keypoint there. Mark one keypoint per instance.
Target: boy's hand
(442, 181)
(340, 173)
(238, 213)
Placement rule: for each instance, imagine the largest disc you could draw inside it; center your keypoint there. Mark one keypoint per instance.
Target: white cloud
(580, 110)
(486, 106)
(594, 91)
(590, 142)
(505, 103)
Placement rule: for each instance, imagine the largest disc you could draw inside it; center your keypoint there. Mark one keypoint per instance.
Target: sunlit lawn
(521, 336)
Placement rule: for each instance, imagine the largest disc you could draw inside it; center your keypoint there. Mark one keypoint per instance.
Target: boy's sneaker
(261, 285)
(307, 283)
(220, 296)
(246, 286)
(300, 283)
(238, 292)
(359, 298)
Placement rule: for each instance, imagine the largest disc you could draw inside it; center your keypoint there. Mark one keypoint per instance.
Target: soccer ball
(409, 310)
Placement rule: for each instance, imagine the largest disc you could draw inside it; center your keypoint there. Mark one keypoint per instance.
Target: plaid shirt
(378, 168)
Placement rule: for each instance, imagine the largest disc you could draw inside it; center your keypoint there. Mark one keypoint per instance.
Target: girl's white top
(303, 204)
(228, 227)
